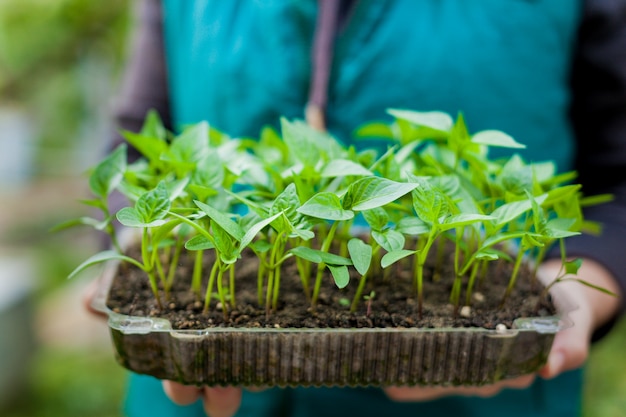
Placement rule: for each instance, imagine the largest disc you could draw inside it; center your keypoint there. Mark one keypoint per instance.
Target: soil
(394, 304)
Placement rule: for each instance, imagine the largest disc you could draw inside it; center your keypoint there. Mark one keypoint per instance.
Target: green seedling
(299, 196)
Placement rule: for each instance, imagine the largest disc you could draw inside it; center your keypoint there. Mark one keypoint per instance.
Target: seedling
(334, 212)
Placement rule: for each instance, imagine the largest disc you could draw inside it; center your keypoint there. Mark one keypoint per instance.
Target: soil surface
(394, 304)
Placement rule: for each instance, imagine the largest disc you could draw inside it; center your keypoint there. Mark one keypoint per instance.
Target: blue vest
(503, 63)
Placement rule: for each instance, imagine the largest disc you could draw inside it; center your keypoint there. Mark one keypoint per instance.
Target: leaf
(340, 275)
(510, 211)
(496, 138)
(377, 218)
(430, 203)
(343, 168)
(222, 220)
(325, 206)
(199, 242)
(154, 204)
(150, 147)
(390, 240)
(108, 173)
(434, 119)
(255, 230)
(129, 217)
(153, 126)
(103, 257)
(572, 267)
(412, 226)
(361, 255)
(307, 254)
(209, 171)
(371, 192)
(459, 220)
(317, 256)
(391, 258)
(191, 145)
(286, 202)
(590, 285)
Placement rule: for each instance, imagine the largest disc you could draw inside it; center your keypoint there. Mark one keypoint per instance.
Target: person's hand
(217, 401)
(571, 346)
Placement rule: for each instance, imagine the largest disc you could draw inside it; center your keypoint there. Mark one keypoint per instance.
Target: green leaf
(103, 257)
(224, 244)
(222, 220)
(590, 285)
(430, 203)
(209, 171)
(391, 258)
(459, 220)
(340, 275)
(511, 211)
(361, 255)
(108, 173)
(255, 230)
(325, 206)
(286, 202)
(389, 239)
(129, 217)
(371, 192)
(154, 204)
(199, 242)
(412, 226)
(434, 119)
(343, 168)
(150, 147)
(317, 256)
(153, 126)
(377, 218)
(572, 267)
(307, 254)
(191, 145)
(496, 138)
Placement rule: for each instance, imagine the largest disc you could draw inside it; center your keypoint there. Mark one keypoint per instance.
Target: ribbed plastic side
(334, 358)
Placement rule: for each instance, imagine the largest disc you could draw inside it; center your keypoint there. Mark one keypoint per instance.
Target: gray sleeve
(599, 120)
(144, 83)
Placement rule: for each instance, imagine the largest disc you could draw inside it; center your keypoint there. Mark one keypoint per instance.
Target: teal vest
(503, 63)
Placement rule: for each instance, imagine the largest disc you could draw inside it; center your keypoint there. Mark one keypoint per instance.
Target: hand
(570, 347)
(217, 401)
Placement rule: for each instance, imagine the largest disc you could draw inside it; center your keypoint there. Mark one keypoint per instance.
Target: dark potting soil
(394, 303)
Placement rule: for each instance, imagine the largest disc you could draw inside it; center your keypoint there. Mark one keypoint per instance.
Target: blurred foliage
(72, 384)
(46, 46)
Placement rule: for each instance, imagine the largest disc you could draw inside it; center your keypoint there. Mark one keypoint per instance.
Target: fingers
(431, 393)
(221, 402)
(88, 296)
(181, 394)
(217, 402)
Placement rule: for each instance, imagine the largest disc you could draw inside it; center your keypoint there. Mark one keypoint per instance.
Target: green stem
(145, 241)
(421, 260)
(220, 291)
(516, 266)
(196, 277)
(174, 261)
(259, 278)
(321, 266)
(211, 283)
(470, 284)
(231, 285)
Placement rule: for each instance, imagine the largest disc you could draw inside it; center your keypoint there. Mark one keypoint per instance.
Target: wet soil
(394, 303)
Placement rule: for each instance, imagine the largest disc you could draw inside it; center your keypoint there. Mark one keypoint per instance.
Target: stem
(281, 249)
(231, 285)
(148, 266)
(196, 277)
(304, 270)
(220, 291)
(209, 287)
(174, 261)
(421, 260)
(470, 284)
(259, 278)
(321, 266)
(509, 288)
(439, 257)
(357, 295)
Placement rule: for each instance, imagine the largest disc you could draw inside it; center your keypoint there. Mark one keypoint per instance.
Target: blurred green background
(60, 62)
